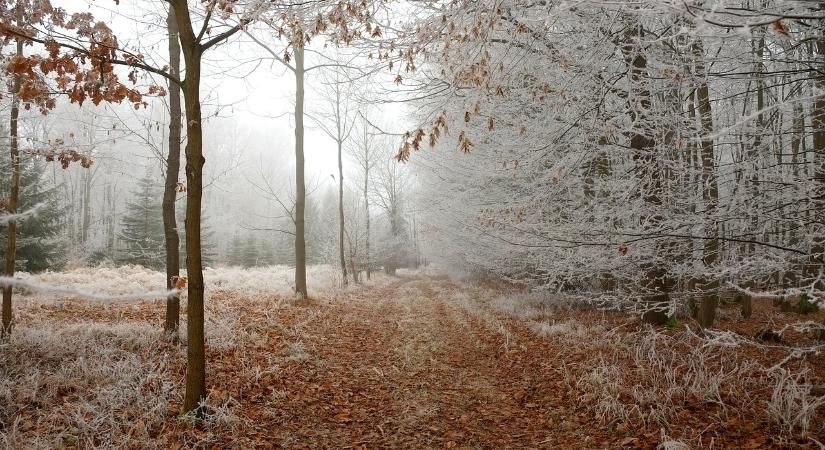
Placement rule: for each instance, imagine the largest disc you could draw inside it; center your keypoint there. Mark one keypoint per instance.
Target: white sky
(256, 94)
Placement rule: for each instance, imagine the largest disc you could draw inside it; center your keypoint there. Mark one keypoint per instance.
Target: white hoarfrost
(101, 385)
(139, 283)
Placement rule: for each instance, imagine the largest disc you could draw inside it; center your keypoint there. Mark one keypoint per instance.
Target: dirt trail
(410, 365)
(412, 362)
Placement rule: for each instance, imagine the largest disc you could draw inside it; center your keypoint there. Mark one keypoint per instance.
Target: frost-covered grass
(83, 385)
(98, 374)
(136, 282)
(323, 280)
(627, 375)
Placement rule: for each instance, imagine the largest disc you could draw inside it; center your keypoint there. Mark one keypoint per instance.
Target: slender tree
(171, 186)
(300, 186)
(341, 123)
(14, 192)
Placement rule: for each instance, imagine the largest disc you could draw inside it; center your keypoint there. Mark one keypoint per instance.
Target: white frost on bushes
(136, 282)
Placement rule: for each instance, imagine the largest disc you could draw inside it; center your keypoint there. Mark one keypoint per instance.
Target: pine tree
(142, 234)
(209, 252)
(249, 252)
(234, 252)
(38, 244)
(266, 251)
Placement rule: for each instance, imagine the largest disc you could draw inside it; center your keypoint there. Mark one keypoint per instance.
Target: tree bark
(13, 202)
(170, 226)
(86, 209)
(755, 152)
(110, 220)
(367, 261)
(367, 201)
(816, 258)
(196, 359)
(710, 195)
(657, 284)
(391, 263)
(300, 187)
(341, 212)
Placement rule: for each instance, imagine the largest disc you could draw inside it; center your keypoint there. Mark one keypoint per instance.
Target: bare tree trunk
(341, 212)
(196, 357)
(657, 284)
(13, 202)
(391, 263)
(300, 188)
(756, 152)
(86, 220)
(353, 263)
(367, 261)
(416, 245)
(109, 201)
(710, 195)
(816, 256)
(170, 226)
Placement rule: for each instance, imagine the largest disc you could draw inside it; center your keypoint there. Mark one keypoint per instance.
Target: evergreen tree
(234, 252)
(314, 232)
(142, 234)
(250, 251)
(266, 251)
(209, 253)
(39, 246)
(282, 250)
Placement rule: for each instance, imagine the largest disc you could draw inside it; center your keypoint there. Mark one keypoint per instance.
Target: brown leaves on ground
(422, 362)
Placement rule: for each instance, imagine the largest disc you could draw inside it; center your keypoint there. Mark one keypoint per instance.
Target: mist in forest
(412, 224)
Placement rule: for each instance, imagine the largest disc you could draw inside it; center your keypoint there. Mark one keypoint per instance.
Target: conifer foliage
(142, 236)
(38, 243)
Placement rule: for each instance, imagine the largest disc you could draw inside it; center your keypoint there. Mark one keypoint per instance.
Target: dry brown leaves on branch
(77, 56)
(63, 155)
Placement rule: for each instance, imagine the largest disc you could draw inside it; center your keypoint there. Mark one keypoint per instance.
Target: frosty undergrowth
(137, 280)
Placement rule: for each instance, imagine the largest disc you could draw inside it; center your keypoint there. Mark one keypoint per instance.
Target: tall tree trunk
(657, 283)
(353, 263)
(816, 263)
(196, 358)
(755, 153)
(367, 261)
(300, 187)
(391, 263)
(110, 220)
(13, 201)
(170, 226)
(86, 220)
(710, 196)
(341, 208)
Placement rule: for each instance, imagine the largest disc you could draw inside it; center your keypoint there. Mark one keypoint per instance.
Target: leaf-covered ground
(418, 361)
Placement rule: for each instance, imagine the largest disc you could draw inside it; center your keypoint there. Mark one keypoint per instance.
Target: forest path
(414, 364)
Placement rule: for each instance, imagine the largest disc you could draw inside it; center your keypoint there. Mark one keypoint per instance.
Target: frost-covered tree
(654, 159)
(391, 188)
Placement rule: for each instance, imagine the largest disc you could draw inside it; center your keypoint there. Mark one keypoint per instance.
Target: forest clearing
(414, 361)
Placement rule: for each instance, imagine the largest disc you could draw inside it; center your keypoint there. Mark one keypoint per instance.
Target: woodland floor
(417, 361)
